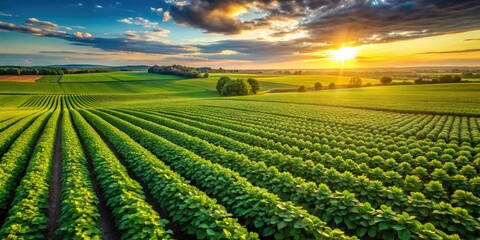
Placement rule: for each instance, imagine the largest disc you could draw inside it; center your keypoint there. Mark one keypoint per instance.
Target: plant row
(338, 209)
(369, 191)
(132, 215)
(259, 209)
(27, 217)
(191, 209)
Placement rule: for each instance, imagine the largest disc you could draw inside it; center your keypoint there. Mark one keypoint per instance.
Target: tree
(355, 82)
(301, 89)
(221, 82)
(457, 78)
(331, 86)
(386, 80)
(445, 79)
(318, 86)
(237, 87)
(206, 75)
(254, 84)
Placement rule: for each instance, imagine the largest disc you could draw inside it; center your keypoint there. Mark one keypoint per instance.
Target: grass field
(49, 79)
(141, 156)
(142, 82)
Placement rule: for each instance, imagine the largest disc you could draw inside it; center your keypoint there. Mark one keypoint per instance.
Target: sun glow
(344, 53)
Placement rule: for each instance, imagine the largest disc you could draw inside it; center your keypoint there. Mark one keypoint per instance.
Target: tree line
(19, 70)
(177, 70)
(14, 70)
(440, 79)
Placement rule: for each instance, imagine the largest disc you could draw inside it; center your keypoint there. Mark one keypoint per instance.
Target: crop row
(133, 216)
(317, 199)
(79, 215)
(175, 195)
(377, 161)
(376, 194)
(259, 209)
(282, 143)
(27, 217)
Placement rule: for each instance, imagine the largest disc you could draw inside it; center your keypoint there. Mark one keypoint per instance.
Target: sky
(241, 34)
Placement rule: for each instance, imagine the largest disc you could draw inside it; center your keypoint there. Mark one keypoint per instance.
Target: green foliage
(254, 84)
(17, 70)
(239, 87)
(386, 80)
(174, 194)
(355, 82)
(133, 216)
(15, 161)
(79, 214)
(177, 70)
(273, 217)
(27, 217)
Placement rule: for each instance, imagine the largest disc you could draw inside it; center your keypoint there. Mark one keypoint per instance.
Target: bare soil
(19, 78)
(55, 192)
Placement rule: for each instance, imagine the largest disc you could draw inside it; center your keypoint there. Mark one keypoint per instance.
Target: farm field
(239, 120)
(460, 98)
(283, 166)
(20, 78)
(142, 82)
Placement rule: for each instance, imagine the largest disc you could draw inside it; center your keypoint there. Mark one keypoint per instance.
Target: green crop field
(134, 155)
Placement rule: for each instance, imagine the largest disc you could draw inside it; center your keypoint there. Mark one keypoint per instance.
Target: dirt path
(59, 78)
(55, 192)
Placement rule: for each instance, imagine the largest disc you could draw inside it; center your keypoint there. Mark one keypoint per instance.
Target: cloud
(454, 51)
(71, 52)
(139, 21)
(2, 14)
(36, 22)
(153, 35)
(125, 20)
(211, 16)
(178, 3)
(334, 21)
(122, 44)
(79, 27)
(160, 32)
(258, 49)
(166, 16)
(82, 35)
(98, 6)
(156, 10)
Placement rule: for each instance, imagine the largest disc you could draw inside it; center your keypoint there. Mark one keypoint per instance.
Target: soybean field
(191, 165)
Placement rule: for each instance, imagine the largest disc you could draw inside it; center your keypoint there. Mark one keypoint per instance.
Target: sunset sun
(344, 53)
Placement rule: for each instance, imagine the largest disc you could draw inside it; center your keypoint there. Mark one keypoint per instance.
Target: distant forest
(188, 72)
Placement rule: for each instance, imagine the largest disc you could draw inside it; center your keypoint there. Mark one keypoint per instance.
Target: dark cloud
(334, 21)
(72, 52)
(456, 51)
(212, 16)
(394, 20)
(259, 50)
(107, 44)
